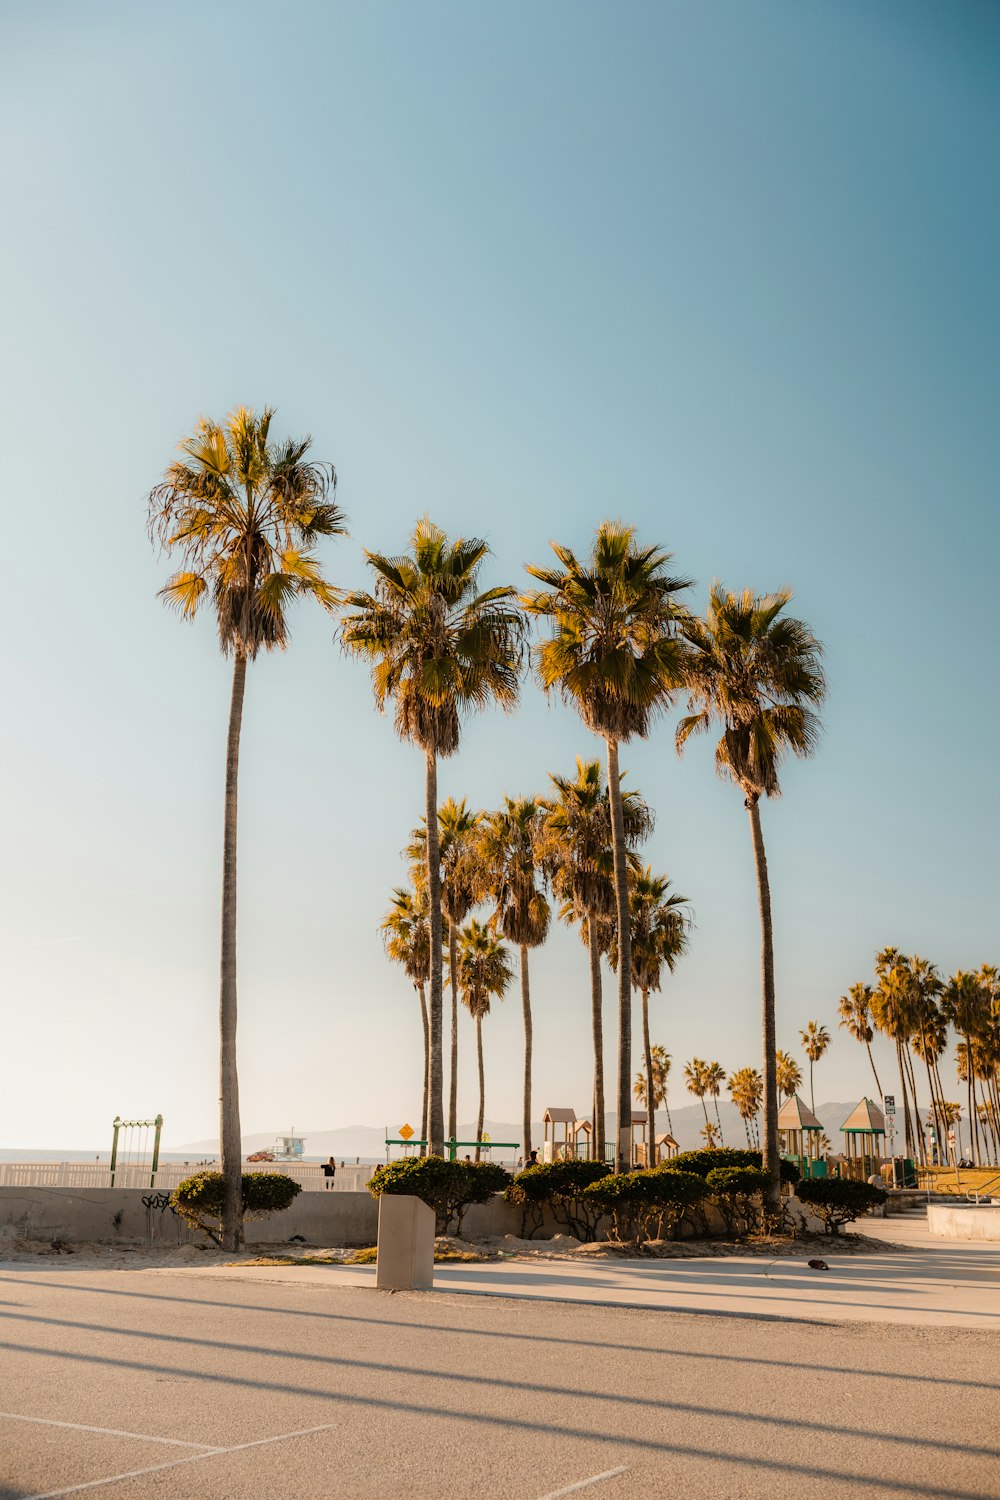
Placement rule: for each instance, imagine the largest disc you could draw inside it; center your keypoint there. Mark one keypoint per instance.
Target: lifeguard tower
(289, 1147)
(864, 1139)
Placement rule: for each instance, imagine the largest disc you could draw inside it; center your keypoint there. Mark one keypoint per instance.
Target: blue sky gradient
(726, 271)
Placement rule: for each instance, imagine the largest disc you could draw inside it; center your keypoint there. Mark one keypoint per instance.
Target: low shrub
(719, 1158)
(560, 1185)
(448, 1187)
(198, 1199)
(646, 1205)
(739, 1196)
(838, 1201)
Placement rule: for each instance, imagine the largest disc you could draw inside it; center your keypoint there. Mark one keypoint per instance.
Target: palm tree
(438, 649)
(576, 854)
(457, 825)
(507, 852)
(407, 937)
(715, 1077)
(746, 1086)
(696, 1080)
(897, 1001)
(615, 655)
(659, 932)
(484, 972)
(788, 1074)
(815, 1040)
(965, 1005)
(661, 1073)
(856, 1014)
(758, 673)
(243, 510)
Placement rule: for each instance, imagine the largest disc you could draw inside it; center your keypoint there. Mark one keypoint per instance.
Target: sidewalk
(932, 1283)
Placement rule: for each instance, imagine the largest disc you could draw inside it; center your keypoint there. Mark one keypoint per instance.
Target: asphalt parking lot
(135, 1384)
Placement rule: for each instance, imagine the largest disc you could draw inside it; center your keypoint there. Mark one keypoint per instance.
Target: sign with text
(890, 1104)
(405, 1132)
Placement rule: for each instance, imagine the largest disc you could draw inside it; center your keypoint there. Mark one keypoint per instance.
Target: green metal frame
(118, 1124)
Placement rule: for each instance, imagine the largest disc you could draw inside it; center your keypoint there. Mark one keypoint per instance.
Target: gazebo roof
(666, 1140)
(638, 1117)
(865, 1119)
(794, 1115)
(581, 1126)
(559, 1117)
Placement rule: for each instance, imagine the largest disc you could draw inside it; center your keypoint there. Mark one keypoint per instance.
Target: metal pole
(158, 1122)
(116, 1124)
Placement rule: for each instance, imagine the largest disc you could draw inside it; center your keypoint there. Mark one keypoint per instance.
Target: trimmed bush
(739, 1195)
(719, 1158)
(838, 1201)
(198, 1199)
(560, 1184)
(448, 1187)
(642, 1205)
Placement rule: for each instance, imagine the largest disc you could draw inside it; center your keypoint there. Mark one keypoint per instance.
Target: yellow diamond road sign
(405, 1132)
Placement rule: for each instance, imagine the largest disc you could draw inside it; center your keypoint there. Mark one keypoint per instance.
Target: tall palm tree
(758, 673)
(576, 854)
(964, 1004)
(407, 936)
(439, 648)
(746, 1087)
(243, 510)
(484, 972)
(696, 1080)
(457, 824)
(614, 653)
(660, 924)
(715, 1077)
(896, 1005)
(815, 1040)
(788, 1074)
(855, 1011)
(509, 861)
(660, 1075)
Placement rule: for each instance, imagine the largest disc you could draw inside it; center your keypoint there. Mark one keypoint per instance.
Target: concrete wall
(964, 1221)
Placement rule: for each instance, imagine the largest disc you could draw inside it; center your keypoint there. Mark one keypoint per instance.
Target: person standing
(329, 1172)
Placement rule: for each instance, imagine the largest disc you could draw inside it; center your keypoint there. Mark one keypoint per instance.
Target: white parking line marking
(192, 1458)
(571, 1489)
(144, 1437)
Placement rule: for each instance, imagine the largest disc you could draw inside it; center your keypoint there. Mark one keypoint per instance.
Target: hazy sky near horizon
(727, 271)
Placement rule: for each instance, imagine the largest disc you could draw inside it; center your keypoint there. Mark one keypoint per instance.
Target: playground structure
(130, 1148)
(864, 1141)
(799, 1137)
(452, 1147)
(577, 1136)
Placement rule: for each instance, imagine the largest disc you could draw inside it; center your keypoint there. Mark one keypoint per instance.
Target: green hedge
(198, 1199)
(449, 1187)
(838, 1201)
(558, 1185)
(646, 1205)
(712, 1159)
(738, 1193)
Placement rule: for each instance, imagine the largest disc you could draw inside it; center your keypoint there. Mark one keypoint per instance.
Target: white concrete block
(405, 1244)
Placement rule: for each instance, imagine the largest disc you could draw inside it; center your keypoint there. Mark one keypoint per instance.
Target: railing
(984, 1190)
(83, 1174)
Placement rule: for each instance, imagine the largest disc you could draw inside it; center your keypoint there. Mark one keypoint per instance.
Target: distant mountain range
(367, 1142)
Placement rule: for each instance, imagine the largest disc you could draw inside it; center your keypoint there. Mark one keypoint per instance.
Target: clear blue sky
(728, 271)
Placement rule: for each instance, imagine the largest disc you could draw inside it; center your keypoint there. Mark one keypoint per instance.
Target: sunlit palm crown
(614, 652)
(815, 1040)
(757, 673)
(661, 1071)
(789, 1074)
(746, 1087)
(437, 645)
(244, 511)
(575, 842)
(661, 923)
(406, 933)
(855, 1009)
(457, 853)
(484, 967)
(508, 857)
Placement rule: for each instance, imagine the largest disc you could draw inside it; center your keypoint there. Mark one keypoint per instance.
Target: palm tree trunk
(970, 1090)
(597, 1027)
(704, 1109)
(230, 1144)
(453, 1082)
(917, 1130)
(624, 1151)
(526, 1009)
(718, 1117)
(769, 1159)
(436, 1113)
(427, 1065)
(881, 1096)
(482, 1084)
(812, 1092)
(650, 1087)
